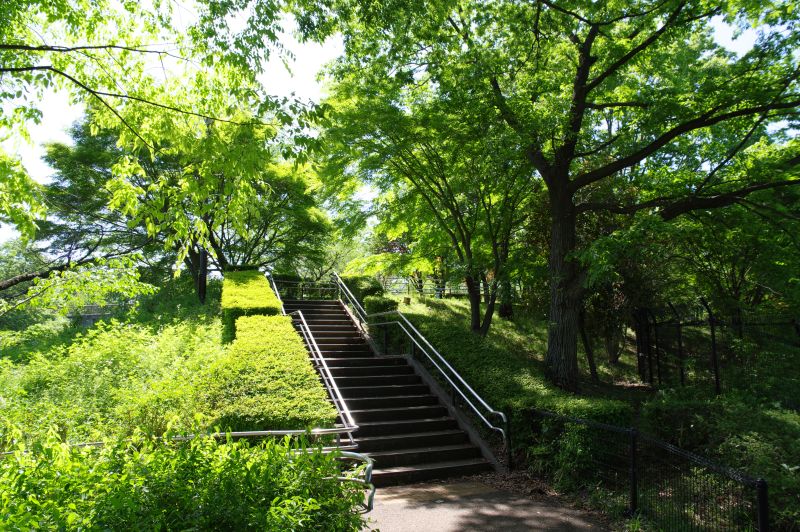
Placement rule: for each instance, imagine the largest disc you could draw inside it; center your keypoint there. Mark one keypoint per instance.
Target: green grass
(506, 367)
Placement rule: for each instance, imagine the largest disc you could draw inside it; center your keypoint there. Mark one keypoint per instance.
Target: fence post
(509, 453)
(634, 481)
(657, 347)
(648, 346)
(714, 357)
(763, 505)
(679, 327)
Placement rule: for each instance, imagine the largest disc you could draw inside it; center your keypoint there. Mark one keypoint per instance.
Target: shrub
(159, 484)
(362, 286)
(395, 339)
(245, 293)
(375, 304)
(266, 380)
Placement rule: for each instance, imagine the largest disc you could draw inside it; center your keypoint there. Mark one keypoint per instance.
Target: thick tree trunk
(566, 294)
(474, 294)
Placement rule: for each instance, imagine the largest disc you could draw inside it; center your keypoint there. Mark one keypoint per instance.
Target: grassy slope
(139, 371)
(507, 366)
(745, 427)
(149, 369)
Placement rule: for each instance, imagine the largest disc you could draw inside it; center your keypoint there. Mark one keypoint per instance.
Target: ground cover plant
(149, 483)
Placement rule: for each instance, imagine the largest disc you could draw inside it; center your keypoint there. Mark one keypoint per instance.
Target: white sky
(58, 114)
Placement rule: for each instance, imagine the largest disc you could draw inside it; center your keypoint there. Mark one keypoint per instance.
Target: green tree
(636, 99)
(438, 172)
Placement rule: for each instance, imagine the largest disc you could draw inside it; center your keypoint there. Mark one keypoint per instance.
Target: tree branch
(705, 120)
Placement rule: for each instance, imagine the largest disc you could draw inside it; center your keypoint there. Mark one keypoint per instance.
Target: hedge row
(265, 380)
(245, 293)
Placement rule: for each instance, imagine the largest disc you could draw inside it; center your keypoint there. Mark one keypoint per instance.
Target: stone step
(382, 391)
(340, 340)
(419, 472)
(398, 414)
(311, 303)
(361, 346)
(409, 440)
(377, 380)
(356, 371)
(424, 455)
(353, 361)
(405, 426)
(339, 353)
(398, 401)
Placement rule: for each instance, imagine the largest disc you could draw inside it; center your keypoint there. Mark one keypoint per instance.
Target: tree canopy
(620, 108)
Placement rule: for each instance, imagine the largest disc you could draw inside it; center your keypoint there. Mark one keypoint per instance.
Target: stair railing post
(385, 334)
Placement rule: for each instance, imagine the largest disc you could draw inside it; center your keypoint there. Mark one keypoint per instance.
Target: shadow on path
(470, 505)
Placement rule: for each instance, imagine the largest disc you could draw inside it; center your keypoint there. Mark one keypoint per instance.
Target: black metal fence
(686, 344)
(428, 287)
(307, 290)
(670, 488)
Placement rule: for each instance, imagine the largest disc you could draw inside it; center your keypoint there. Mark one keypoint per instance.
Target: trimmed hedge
(266, 381)
(363, 286)
(245, 293)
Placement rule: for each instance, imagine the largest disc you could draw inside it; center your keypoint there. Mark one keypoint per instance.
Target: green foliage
(362, 286)
(20, 196)
(108, 380)
(266, 381)
(246, 293)
(375, 304)
(157, 484)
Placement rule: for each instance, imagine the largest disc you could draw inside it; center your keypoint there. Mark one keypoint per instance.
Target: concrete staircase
(402, 425)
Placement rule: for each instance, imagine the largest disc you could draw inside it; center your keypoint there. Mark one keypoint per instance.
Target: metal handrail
(327, 377)
(455, 386)
(362, 314)
(427, 348)
(322, 367)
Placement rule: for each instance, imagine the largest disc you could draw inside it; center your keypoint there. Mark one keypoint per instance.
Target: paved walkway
(470, 505)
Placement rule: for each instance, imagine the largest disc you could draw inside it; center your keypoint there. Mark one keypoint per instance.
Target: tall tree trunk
(566, 293)
(485, 286)
(474, 294)
(506, 309)
(489, 312)
(587, 346)
(202, 277)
